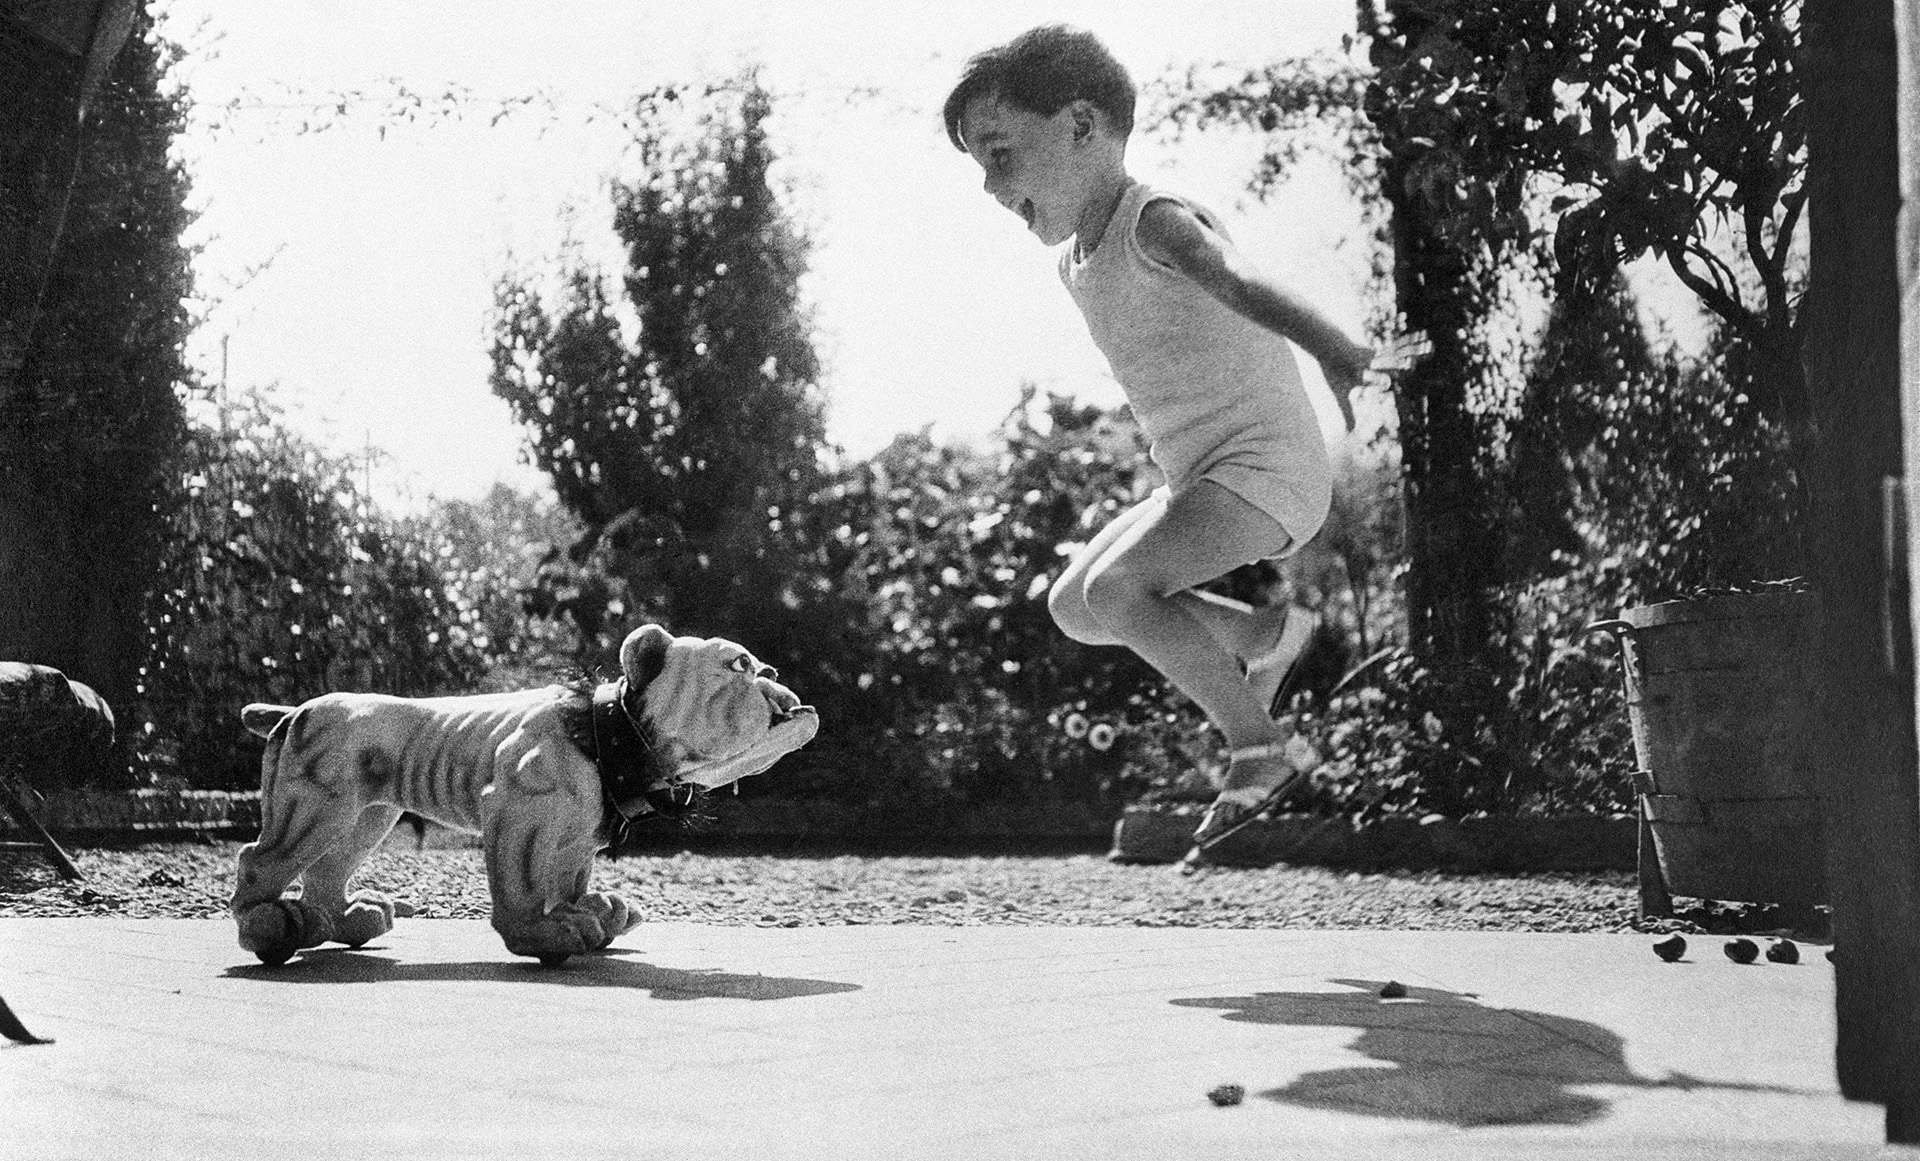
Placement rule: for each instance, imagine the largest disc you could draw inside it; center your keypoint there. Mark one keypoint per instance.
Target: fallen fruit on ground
(1742, 950)
(1671, 948)
(1393, 990)
(1226, 1094)
(1783, 951)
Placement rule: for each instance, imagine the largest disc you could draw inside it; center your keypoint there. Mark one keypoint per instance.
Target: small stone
(953, 895)
(1741, 950)
(1670, 948)
(1783, 951)
(1226, 1094)
(1393, 990)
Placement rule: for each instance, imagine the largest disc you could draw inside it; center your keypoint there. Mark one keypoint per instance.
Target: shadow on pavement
(335, 965)
(1451, 1059)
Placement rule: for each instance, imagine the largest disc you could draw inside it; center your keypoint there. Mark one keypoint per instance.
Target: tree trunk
(1865, 690)
(1452, 547)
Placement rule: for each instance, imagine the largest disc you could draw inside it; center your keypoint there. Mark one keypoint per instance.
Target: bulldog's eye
(741, 664)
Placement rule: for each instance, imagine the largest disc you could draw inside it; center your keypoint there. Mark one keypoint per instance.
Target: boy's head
(1042, 71)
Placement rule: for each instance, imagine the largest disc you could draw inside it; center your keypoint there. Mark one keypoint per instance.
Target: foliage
(943, 678)
(1302, 106)
(1662, 120)
(88, 428)
(1362, 534)
(491, 552)
(1608, 446)
(1663, 123)
(1639, 477)
(286, 582)
(683, 442)
(1552, 740)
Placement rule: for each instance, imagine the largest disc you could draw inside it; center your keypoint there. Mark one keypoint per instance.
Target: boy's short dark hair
(1043, 70)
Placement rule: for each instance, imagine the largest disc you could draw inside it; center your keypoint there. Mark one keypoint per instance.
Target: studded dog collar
(633, 779)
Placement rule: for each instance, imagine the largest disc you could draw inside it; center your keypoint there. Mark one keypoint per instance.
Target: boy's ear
(1083, 120)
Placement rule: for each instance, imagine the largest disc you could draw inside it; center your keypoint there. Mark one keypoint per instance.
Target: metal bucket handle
(1621, 630)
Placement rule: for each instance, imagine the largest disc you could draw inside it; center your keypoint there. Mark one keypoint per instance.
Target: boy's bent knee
(1067, 603)
(1116, 594)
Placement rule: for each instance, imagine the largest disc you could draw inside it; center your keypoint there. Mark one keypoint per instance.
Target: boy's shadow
(1451, 1059)
(334, 965)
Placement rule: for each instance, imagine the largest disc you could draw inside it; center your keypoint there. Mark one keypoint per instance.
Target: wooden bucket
(1719, 695)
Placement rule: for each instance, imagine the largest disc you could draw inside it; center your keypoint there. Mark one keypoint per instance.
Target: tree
(1441, 282)
(1671, 129)
(683, 447)
(1586, 359)
(89, 426)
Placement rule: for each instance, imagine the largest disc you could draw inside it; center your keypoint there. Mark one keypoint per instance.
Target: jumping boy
(1198, 339)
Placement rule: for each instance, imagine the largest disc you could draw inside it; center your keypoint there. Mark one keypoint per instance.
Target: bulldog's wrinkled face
(713, 709)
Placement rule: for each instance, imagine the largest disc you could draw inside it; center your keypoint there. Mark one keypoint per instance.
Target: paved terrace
(690, 1041)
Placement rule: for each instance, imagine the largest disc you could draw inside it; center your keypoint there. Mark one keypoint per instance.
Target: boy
(1198, 339)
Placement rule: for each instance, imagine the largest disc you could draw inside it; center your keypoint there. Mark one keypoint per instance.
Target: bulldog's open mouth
(788, 728)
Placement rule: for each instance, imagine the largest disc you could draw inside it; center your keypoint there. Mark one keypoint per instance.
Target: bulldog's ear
(644, 654)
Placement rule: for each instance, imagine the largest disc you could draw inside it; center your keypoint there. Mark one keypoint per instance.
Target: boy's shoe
(1233, 810)
(1297, 626)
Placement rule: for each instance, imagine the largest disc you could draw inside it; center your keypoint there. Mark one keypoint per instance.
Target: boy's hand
(1402, 352)
(1349, 370)
(1345, 370)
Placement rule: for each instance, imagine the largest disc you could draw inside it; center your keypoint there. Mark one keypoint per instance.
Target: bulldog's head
(711, 711)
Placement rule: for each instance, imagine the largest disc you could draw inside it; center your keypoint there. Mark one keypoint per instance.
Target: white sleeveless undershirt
(1218, 395)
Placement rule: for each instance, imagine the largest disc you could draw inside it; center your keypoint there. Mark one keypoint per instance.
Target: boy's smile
(1048, 170)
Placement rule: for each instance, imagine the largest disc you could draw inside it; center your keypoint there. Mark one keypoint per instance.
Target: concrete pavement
(691, 1041)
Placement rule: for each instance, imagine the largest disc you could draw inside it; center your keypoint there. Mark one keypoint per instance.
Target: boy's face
(1035, 165)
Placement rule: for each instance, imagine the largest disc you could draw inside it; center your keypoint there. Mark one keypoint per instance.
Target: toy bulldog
(545, 776)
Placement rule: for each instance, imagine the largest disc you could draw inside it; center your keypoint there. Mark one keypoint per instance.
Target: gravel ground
(192, 881)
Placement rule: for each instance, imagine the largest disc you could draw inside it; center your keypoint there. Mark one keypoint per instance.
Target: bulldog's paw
(274, 931)
(569, 929)
(369, 915)
(616, 915)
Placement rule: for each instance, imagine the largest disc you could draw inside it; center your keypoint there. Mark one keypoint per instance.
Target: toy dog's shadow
(608, 969)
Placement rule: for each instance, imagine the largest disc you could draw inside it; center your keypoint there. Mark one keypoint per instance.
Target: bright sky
(370, 322)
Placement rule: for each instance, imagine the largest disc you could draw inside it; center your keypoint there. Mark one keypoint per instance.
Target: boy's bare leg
(1067, 600)
(1265, 639)
(1135, 591)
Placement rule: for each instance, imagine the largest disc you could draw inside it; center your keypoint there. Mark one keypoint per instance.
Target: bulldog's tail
(260, 718)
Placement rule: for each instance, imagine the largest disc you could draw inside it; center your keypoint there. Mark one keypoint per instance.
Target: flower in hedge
(1077, 726)
(1100, 737)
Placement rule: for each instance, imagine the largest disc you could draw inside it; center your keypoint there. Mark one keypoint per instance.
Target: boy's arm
(1170, 233)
